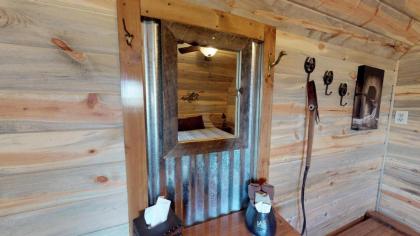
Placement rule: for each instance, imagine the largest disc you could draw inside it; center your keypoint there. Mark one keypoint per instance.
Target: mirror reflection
(207, 93)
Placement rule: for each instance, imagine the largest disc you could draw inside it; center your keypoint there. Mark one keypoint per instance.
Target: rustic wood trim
(173, 33)
(396, 225)
(169, 54)
(198, 147)
(347, 226)
(132, 94)
(182, 12)
(266, 101)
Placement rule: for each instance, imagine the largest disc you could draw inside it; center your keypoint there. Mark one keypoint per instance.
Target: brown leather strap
(311, 126)
(313, 117)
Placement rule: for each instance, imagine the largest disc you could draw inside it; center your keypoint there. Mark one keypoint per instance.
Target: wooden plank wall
(214, 80)
(400, 188)
(343, 179)
(62, 169)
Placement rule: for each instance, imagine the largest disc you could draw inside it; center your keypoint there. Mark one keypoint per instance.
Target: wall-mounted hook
(277, 61)
(342, 91)
(128, 36)
(309, 67)
(328, 79)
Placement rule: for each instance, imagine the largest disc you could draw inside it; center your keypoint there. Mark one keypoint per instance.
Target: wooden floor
(370, 227)
(375, 224)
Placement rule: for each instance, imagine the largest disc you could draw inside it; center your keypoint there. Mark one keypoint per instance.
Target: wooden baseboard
(396, 225)
(379, 217)
(347, 226)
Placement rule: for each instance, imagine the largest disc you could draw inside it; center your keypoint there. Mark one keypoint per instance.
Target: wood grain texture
(375, 16)
(75, 218)
(62, 144)
(400, 195)
(338, 25)
(214, 81)
(34, 23)
(267, 101)
(173, 10)
(374, 223)
(396, 225)
(343, 179)
(132, 94)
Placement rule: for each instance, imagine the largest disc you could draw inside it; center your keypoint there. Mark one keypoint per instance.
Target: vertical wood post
(132, 94)
(266, 101)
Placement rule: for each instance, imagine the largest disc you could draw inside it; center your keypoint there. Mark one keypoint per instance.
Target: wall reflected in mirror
(208, 101)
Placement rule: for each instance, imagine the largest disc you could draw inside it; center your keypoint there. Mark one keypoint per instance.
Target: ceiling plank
(302, 20)
(408, 7)
(372, 15)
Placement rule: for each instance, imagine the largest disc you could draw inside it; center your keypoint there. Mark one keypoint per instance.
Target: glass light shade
(208, 51)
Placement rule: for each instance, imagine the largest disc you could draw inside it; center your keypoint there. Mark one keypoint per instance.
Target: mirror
(207, 93)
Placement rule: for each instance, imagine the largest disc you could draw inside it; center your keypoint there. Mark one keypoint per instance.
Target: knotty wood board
(267, 87)
(202, 16)
(75, 218)
(400, 194)
(388, 34)
(61, 136)
(39, 66)
(343, 179)
(133, 103)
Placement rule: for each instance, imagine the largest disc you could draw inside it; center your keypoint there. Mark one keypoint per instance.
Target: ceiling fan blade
(189, 49)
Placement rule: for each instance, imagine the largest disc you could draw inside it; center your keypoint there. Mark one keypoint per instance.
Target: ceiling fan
(206, 51)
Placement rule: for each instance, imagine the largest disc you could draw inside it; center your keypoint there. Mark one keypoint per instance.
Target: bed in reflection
(207, 90)
(195, 129)
(203, 134)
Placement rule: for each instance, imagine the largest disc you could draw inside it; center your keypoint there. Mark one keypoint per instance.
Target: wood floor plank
(364, 228)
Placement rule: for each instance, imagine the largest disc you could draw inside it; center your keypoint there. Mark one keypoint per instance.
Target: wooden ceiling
(387, 28)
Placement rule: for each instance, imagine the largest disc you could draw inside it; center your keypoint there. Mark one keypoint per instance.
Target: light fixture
(208, 51)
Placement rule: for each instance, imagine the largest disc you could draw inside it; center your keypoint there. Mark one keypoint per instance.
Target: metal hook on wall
(309, 66)
(277, 61)
(342, 91)
(128, 36)
(328, 79)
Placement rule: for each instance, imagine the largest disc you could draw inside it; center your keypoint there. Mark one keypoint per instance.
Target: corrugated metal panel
(206, 185)
(210, 184)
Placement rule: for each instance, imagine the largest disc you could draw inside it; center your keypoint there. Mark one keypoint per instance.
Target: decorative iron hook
(342, 91)
(309, 66)
(282, 53)
(128, 36)
(328, 79)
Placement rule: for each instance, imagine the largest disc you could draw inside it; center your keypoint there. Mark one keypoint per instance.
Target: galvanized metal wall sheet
(206, 185)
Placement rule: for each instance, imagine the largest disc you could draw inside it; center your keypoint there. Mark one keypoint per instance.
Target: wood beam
(132, 94)
(266, 101)
(192, 14)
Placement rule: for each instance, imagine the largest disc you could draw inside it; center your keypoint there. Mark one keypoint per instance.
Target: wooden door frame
(130, 38)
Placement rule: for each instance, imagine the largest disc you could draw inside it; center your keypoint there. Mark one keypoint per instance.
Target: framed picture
(367, 98)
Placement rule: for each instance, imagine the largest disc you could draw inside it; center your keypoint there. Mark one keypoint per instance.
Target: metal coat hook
(277, 61)
(309, 66)
(128, 36)
(342, 91)
(328, 79)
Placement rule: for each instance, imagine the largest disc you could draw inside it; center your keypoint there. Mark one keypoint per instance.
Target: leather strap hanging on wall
(313, 117)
